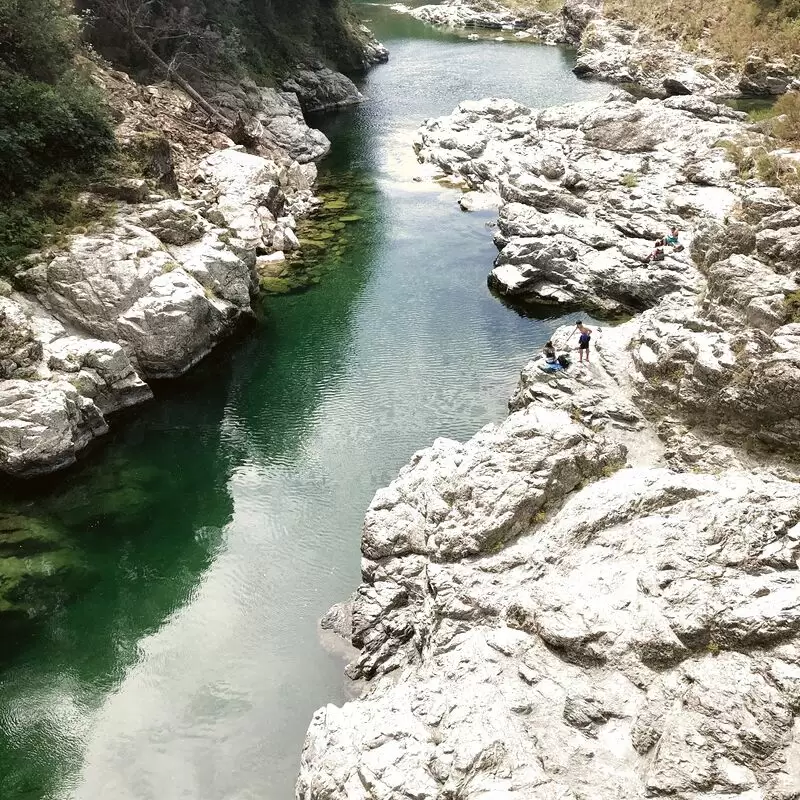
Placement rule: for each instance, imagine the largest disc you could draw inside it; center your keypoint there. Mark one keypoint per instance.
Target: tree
(177, 30)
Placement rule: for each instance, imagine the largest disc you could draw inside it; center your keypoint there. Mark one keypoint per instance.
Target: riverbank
(547, 608)
(626, 46)
(184, 237)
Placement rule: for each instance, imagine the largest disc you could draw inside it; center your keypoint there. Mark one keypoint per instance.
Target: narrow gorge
(595, 595)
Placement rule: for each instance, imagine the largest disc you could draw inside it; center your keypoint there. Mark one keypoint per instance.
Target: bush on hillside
(734, 28)
(46, 129)
(38, 38)
(53, 126)
(787, 125)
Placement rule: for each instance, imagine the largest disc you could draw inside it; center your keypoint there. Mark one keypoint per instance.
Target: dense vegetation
(198, 37)
(53, 127)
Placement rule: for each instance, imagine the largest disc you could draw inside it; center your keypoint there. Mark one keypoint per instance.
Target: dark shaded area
(197, 37)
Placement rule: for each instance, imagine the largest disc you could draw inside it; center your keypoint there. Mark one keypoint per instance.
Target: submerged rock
(38, 572)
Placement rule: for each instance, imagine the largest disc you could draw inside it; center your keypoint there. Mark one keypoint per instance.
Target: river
(216, 525)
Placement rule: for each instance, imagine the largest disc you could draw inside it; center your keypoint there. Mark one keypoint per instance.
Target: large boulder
(174, 326)
(100, 371)
(640, 638)
(98, 277)
(270, 119)
(458, 500)
(43, 425)
(319, 88)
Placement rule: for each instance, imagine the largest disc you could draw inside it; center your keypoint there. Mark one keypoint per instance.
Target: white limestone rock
(625, 645)
(175, 325)
(43, 425)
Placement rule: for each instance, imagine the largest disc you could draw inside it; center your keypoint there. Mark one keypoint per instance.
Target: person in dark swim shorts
(584, 337)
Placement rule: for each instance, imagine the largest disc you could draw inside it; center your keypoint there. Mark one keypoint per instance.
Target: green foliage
(630, 179)
(202, 37)
(755, 161)
(37, 38)
(787, 124)
(44, 129)
(792, 303)
(53, 126)
(40, 216)
(761, 114)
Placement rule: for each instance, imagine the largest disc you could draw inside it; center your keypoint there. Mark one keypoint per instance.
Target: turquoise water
(217, 525)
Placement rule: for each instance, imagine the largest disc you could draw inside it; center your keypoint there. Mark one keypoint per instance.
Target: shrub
(792, 304)
(53, 126)
(44, 129)
(630, 179)
(734, 28)
(787, 125)
(38, 217)
(38, 38)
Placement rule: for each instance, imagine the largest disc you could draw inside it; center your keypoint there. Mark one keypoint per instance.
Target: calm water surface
(218, 524)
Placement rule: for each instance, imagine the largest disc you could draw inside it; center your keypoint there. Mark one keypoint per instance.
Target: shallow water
(218, 524)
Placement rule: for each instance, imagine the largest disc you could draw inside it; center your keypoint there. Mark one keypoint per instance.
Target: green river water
(196, 546)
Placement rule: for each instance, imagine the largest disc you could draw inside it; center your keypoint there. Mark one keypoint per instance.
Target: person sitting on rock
(583, 339)
(671, 238)
(657, 254)
(549, 353)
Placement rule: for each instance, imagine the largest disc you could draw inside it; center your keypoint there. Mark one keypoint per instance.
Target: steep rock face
(639, 639)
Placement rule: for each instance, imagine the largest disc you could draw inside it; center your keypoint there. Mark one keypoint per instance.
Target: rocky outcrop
(467, 14)
(321, 89)
(269, 121)
(586, 189)
(55, 389)
(637, 637)
(534, 620)
(142, 300)
(533, 628)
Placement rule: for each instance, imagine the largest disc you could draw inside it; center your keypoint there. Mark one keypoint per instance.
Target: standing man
(585, 335)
